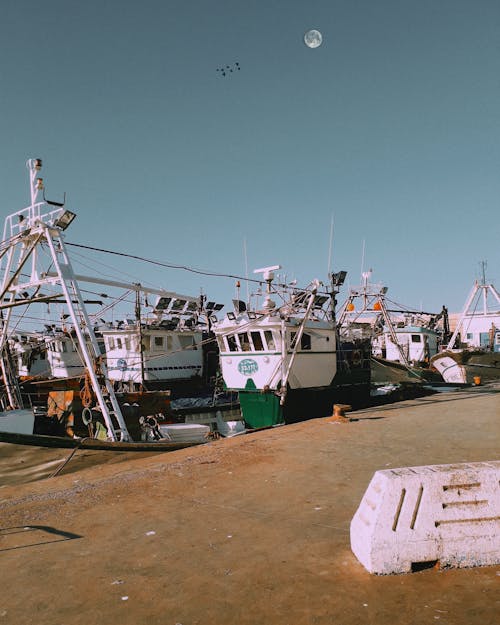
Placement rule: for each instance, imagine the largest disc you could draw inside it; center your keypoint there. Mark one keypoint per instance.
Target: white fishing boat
(284, 358)
(33, 258)
(29, 354)
(167, 348)
(472, 354)
(403, 341)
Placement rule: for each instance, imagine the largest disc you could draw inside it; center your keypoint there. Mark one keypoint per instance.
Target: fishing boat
(284, 358)
(172, 347)
(472, 354)
(167, 348)
(403, 341)
(29, 355)
(34, 242)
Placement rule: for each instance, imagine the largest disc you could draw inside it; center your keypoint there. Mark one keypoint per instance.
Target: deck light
(38, 164)
(64, 220)
(350, 307)
(39, 183)
(339, 278)
(231, 316)
(377, 306)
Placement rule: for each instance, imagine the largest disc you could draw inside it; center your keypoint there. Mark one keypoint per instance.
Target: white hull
(450, 370)
(185, 432)
(17, 421)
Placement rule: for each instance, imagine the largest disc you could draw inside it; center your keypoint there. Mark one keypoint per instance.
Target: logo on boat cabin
(248, 366)
(122, 364)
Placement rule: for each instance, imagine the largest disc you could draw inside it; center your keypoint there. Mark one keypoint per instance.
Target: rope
(59, 469)
(86, 394)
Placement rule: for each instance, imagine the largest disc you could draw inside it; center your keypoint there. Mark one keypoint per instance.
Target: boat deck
(253, 529)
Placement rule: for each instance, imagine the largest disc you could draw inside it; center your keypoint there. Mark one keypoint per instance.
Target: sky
(389, 130)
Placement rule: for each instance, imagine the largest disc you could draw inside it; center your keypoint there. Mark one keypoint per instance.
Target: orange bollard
(338, 415)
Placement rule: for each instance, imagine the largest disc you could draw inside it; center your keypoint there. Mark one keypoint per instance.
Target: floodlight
(231, 316)
(339, 278)
(64, 220)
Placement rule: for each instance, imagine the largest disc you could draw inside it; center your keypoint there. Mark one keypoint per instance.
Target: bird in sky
(229, 69)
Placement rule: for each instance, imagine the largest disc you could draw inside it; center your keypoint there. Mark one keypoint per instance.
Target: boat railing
(26, 218)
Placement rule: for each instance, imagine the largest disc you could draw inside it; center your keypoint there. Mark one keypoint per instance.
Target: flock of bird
(228, 69)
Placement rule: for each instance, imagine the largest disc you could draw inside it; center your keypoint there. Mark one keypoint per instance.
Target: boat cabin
(152, 353)
(418, 343)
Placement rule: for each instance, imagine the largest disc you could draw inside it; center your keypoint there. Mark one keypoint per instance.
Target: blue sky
(391, 126)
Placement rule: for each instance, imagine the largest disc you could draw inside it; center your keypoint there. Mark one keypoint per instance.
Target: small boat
(472, 354)
(285, 360)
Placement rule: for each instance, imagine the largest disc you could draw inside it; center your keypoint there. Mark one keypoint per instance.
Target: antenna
(267, 272)
(268, 275)
(363, 258)
(246, 268)
(483, 264)
(330, 247)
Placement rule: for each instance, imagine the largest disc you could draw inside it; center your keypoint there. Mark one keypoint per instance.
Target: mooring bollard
(338, 415)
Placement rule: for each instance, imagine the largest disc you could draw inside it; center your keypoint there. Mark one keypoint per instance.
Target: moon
(313, 38)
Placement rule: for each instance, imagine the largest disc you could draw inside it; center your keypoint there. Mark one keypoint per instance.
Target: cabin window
(157, 343)
(258, 345)
(497, 338)
(127, 343)
(119, 343)
(244, 341)
(469, 336)
(231, 342)
(111, 342)
(305, 341)
(187, 341)
(268, 335)
(415, 338)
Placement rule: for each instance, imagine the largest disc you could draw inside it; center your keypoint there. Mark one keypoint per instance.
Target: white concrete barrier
(414, 518)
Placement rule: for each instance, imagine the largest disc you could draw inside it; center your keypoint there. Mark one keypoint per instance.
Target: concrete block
(417, 517)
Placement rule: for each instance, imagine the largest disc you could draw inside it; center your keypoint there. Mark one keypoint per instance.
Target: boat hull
(17, 421)
(466, 366)
(263, 409)
(389, 372)
(351, 385)
(61, 442)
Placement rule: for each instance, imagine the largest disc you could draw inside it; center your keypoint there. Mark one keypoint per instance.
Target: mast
(139, 329)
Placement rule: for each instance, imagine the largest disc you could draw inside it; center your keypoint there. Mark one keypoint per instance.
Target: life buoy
(356, 357)
(87, 416)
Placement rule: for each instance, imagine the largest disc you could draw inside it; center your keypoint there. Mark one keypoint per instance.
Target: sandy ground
(251, 530)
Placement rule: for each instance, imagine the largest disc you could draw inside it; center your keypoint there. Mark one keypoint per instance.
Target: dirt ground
(250, 530)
